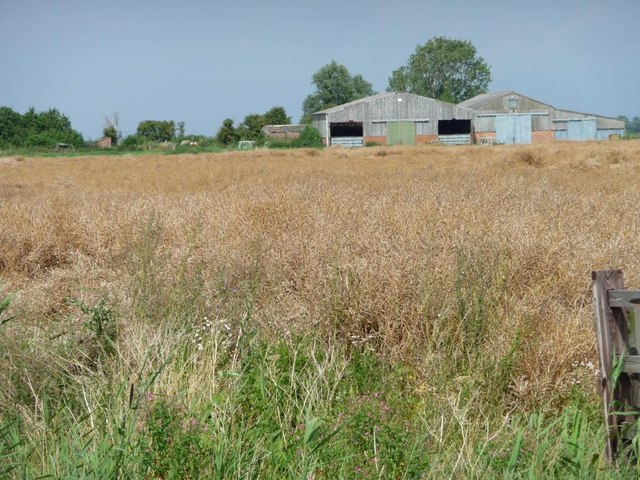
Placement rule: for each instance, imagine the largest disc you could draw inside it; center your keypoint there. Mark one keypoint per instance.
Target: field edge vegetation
(385, 313)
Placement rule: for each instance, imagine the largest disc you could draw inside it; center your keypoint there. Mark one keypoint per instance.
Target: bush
(227, 136)
(37, 129)
(50, 138)
(309, 137)
(279, 143)
(172, 440)
(130, 142)
(156, 130)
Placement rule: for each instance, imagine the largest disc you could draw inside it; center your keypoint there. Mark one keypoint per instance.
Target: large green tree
(334, 86)
(445, 69)
(157, 130)
(276, 116)
(36, 129)
(251, 126)
(227, 134)
(10, 126)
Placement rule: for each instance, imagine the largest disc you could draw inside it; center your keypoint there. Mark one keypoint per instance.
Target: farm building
(282, 131)
(104, 142)
(509, 117)
(394, 118)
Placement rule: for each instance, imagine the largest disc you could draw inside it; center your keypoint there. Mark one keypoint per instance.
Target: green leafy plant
(309, 138)
(443, 68)
(130, 142)
(37, 129)
(157, 130)
(334, 86)
(4, 305)
(172, 439)
(101, 323)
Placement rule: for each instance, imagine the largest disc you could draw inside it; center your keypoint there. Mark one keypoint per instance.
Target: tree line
(36, 129)
(443, 68)
(632, 125)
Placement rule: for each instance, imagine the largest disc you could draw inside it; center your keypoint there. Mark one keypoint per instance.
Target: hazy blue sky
(202, 61)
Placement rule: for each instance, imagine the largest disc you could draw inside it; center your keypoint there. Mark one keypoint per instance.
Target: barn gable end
(510, 117)
(389, 118)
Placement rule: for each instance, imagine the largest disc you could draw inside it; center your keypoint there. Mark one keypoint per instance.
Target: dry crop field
(456, 276)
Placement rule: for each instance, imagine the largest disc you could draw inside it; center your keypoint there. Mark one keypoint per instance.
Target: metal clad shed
(497, 114)
(509, 117)
(569, 125)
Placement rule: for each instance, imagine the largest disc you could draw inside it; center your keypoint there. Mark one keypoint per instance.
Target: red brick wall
(542, 136)
(104, 143)
(380, 140)
(424, 139)
(420, 139)
(477, 136)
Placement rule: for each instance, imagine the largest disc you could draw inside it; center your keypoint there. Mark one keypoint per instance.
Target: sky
(202, 61)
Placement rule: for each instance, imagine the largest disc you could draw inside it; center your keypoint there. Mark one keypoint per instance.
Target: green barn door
(401, 133)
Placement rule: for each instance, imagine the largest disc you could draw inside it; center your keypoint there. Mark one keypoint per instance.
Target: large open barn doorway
(347, 134)
(454, 127)
(454, 132)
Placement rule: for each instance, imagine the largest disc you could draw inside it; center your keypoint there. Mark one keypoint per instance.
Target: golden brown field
(437, 257)
(366, 241)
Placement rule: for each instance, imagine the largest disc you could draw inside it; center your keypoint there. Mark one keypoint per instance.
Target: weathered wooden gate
(618, 337)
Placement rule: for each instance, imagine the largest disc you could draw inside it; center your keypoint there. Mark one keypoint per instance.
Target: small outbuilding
(104, 142)
(394, 118)
(510, 117)
(283, 131)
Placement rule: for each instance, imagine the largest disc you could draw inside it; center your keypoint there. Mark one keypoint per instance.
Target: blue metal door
(512, 129)
(581, 129)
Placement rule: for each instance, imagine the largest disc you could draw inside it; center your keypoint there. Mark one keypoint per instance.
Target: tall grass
(394, 313)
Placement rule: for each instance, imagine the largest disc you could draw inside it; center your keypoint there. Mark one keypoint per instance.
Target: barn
(394, 118)
(282, 131)
(510, 117)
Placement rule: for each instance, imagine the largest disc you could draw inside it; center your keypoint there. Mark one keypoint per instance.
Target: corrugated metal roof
(561, 115)
(479, 101)
(294, 128)
(475, 104)
(483, 99)
(356, 102)
(583, 114)
(378, 96)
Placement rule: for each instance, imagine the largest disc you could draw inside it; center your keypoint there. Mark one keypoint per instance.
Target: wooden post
(611, 308)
